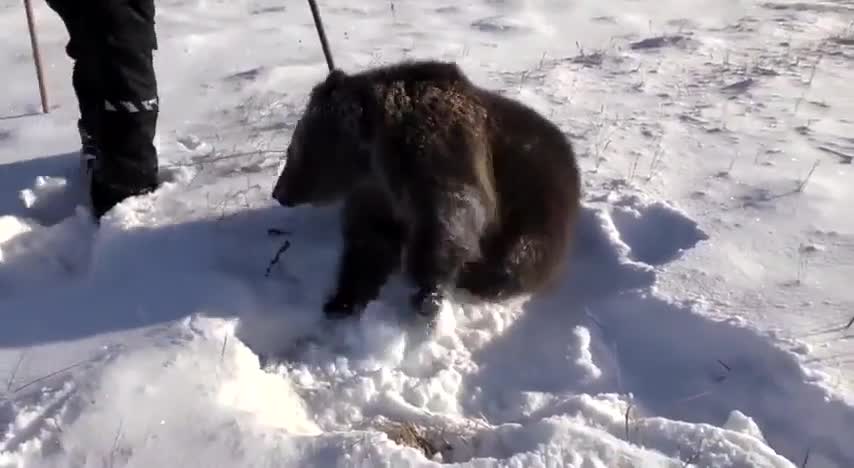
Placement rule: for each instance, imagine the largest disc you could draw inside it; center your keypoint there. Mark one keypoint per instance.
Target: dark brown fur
(463, 186)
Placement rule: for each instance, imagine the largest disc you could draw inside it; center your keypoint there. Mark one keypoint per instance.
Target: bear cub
(455, 184)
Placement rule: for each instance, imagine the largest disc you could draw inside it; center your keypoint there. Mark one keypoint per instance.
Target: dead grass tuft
(410, 435)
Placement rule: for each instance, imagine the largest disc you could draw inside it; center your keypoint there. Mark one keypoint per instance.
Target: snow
(701, 322)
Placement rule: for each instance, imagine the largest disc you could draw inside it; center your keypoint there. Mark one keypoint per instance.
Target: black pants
(112, 44)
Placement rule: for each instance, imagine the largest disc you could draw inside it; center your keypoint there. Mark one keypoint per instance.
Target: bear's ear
(327, 88)
(335, 77)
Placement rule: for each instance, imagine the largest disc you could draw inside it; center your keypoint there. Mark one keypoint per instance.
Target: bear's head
(329, 151)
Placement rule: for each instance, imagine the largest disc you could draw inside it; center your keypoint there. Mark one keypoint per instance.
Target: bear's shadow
(543, 350)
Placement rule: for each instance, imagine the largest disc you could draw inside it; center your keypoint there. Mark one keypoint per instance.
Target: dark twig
(806, 459)
(224, 157)
(628, 416)
(278, 232)
(222, 352)
(806, 180)
(275, 259)
(40, 379)
(850, 323)
(723, 377)
(116, 443)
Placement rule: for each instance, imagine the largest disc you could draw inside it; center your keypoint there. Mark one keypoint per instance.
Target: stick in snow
(319, 25)
(37, 58)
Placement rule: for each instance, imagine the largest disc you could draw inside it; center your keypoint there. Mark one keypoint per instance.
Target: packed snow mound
(608, 385)
(199, 398)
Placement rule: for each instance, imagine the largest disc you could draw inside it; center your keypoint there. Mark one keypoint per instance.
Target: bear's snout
(280, 193)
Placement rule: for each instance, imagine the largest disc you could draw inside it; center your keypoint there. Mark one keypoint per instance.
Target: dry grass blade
(806, 180)
(409, 435)
(116, 444)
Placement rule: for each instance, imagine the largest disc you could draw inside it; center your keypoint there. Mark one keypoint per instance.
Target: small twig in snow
(222, 353)
(717, 380)
(732, 163)
(634, 167)
(116, 443)
(803, 183)
(693, 397)
(724, 376)
(602, 139)
(812, 77)
(523, 78)
(628, 416)
(40, 379)
(275, 259)
(593, 318)
(224, 157)
(278, 232)
(656, 158)
(806, 459)
(850, 324)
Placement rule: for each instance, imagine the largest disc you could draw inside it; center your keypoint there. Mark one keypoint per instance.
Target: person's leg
(84, 76)
(124, 42)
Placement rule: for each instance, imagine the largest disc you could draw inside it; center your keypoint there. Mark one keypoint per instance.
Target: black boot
(106, 195)
(112, 44)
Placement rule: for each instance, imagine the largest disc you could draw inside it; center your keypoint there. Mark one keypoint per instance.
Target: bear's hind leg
(514, 264)
(373, 242)
(446, 235)
(491, 279)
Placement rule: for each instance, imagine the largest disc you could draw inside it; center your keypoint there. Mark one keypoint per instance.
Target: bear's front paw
(488, 282)
(428, 302)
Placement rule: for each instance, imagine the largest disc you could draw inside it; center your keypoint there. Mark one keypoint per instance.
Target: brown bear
(459, 185)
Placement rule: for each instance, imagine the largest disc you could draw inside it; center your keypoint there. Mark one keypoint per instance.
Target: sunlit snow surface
(701, 321)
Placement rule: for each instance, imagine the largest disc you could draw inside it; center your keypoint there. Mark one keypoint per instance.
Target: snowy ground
(702, 321)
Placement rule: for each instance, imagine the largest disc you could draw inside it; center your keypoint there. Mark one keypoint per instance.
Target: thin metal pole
(319, 25)
(37, 58)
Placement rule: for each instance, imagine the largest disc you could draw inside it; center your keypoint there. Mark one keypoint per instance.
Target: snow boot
(102, 194)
